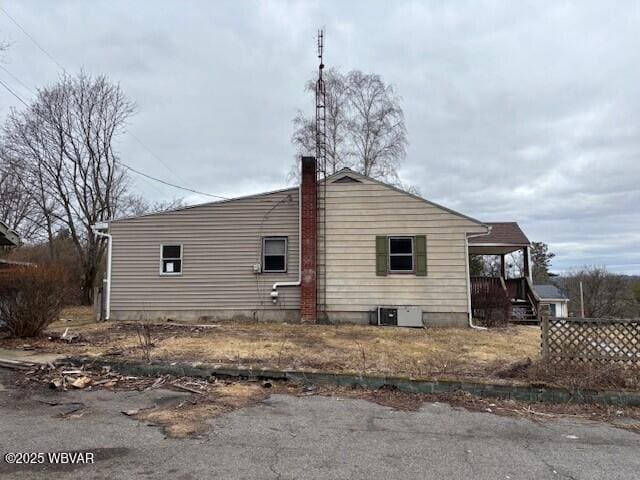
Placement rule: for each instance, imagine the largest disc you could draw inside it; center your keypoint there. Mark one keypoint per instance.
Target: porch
(509, 271)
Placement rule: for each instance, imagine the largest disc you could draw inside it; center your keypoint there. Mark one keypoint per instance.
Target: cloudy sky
(519, 111)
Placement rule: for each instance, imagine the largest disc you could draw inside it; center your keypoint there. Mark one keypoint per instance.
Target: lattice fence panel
(591, 340)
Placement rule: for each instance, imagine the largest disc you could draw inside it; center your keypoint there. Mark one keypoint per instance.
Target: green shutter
(381, 255)
(421, 255)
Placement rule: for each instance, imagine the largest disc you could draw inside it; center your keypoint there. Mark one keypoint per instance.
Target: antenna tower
(321, 159)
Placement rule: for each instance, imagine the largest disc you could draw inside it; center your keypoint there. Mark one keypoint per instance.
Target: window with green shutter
(401, 254)
(381, 255)
(421, 255)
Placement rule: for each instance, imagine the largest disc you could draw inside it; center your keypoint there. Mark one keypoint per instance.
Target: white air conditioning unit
(400, 315)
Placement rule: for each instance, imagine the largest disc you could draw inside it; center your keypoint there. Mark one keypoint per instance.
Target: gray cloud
(524, 112)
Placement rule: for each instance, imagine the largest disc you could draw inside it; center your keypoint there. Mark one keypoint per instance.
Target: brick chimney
(308, 231)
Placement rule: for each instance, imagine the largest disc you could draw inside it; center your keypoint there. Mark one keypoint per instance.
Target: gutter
(274, 289)
(466, 266)
(107, 297)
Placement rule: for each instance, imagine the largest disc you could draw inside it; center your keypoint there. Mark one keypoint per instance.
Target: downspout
(466, 265)
(274, 289)
(107, 281)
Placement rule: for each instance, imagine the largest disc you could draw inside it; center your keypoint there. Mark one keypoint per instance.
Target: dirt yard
(340, 348)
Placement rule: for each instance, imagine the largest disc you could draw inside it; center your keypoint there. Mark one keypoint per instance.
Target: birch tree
(365, 127)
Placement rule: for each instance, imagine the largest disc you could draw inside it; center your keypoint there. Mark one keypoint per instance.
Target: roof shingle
(549, 291)
(502, 233)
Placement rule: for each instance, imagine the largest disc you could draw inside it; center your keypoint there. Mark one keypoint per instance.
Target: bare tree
(337, 106)
(136, 205)
(65, 143)
(18, 206)
(606, 294)
(377, 126)
(365, 126)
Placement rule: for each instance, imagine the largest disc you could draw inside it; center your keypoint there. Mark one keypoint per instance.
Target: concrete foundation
(429, 319)
(205, 316)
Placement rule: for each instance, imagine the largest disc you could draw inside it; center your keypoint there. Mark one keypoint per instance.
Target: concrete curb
(503, 390)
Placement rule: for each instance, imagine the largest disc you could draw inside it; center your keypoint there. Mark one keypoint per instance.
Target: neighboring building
(555, 298)
(373, 245)
(8, 238)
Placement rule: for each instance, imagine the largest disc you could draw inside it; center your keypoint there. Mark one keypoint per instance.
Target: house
(8, 238)
(555, 298)
(333, 250)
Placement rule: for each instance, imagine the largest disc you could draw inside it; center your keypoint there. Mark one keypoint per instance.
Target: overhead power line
(52, 58)
(168, 183)
(138, 172)
(8, 89)
(42, 49)
(143, 145)
(27, 87)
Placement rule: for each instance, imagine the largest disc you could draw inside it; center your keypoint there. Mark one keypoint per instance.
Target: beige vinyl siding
(356, 214)
(221, 242)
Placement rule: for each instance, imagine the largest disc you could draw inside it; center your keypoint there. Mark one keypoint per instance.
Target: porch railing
(483, 285)
(514, 288)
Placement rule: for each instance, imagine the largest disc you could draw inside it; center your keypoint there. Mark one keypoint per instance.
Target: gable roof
(7, 236)
(502, 233)
(347, 172)
(205, 204)
(346, 175)
(550, 292)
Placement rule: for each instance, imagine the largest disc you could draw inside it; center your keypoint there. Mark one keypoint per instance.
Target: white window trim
(413, 254)
(286, 253)
(172, 274)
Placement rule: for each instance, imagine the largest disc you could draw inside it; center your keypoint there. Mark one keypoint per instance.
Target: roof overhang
(8, 238)
(495, 248)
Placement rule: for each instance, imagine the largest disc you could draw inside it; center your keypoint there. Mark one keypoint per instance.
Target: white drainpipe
(274, 290)
(466, 264)
(107, 295)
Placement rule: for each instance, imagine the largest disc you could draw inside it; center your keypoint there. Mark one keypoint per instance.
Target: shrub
(31, 298)
(491, 304)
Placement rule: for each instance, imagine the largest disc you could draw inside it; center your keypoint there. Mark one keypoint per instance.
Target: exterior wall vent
(347, 179)
(399, 315)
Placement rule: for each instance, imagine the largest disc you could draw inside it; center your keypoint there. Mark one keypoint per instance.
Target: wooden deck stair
(525, 303)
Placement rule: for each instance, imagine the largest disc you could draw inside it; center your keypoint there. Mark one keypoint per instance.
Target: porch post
(503, 268)
(526, 257)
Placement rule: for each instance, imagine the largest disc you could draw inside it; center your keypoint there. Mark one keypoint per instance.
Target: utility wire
(155, 156)
(27, 87)
(33, 40)
(52, 58)
(169, 183)
(150, 177)
(13, 93)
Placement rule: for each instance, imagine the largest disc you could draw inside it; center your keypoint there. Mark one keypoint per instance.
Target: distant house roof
(550, 292)
(502, 233)
(7, 236)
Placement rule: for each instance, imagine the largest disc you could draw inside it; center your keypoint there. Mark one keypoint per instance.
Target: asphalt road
(307, 438)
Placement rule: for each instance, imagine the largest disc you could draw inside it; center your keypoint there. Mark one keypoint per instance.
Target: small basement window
(171, 259)
(400, 254)
(274, 254)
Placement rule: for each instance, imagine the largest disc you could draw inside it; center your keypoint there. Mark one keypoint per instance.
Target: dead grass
(79, 316)
(356, 349)
(189, 418)
(343, 348)
(574, 376)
